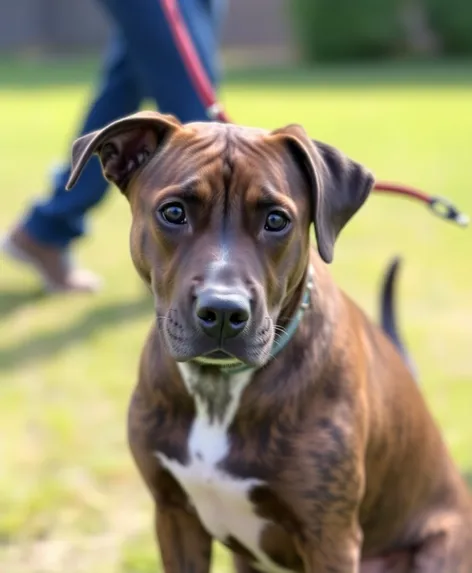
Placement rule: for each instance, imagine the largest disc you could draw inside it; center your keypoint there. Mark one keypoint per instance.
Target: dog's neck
(217, 393)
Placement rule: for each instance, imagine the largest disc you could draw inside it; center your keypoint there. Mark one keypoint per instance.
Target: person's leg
(158, 63)
(153, 57)
(42, 237)
(60, 218)
(148, 53)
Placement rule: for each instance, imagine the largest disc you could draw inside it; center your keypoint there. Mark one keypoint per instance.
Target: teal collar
(281, 341)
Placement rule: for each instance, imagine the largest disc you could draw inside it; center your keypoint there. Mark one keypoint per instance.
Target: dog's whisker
(279, 330)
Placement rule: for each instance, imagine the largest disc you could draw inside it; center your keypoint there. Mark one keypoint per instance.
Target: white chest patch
(220, 499)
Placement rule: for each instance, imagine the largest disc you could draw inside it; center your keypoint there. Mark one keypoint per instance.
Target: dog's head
(221, 219)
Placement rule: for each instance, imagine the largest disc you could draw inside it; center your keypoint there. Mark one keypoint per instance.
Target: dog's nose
(222, 315)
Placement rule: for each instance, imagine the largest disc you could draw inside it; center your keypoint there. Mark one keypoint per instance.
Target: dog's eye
(276, 221)
(174, 213)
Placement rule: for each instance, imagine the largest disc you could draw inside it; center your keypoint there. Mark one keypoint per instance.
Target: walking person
(142, 61)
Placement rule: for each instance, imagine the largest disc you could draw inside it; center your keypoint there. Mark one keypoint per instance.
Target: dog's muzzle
(222, 315)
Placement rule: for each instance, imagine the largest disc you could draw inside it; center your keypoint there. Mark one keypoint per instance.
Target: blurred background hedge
(452, 19)
(341, 30)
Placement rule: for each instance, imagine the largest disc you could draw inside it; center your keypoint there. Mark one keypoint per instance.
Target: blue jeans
(142, 62)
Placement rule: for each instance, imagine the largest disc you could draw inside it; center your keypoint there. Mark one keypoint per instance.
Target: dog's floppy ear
(122, 146)
(339, 186)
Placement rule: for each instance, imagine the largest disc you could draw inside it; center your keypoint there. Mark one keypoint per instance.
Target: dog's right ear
(123, 146)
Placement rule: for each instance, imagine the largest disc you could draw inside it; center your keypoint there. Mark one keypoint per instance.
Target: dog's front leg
(243, 565)
(184, 545)
(333, 550)
(327, 485)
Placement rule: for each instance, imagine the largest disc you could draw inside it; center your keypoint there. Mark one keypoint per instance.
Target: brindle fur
(355, 469)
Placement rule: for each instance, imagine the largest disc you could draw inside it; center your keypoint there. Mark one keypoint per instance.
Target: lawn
(70, 498)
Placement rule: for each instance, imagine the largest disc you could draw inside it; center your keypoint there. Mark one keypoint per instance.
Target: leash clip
(216, 113)
(446, 210)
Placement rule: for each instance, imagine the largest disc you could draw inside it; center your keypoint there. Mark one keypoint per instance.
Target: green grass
(70, 497)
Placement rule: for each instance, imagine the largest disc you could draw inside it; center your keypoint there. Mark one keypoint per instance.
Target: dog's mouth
(218, 357)
(219, 354)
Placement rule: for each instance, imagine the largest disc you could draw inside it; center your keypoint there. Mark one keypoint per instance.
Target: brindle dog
(270, 413)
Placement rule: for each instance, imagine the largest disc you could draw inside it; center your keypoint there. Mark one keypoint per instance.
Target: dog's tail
(388, 319)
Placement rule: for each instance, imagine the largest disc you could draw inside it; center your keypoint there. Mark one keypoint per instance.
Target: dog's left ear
(123, 146)
(339, 186)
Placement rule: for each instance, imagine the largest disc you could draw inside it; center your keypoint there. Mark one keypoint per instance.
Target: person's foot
(53, 264)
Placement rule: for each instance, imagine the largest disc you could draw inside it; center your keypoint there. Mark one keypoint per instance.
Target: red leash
(191, 59)
(439, 206)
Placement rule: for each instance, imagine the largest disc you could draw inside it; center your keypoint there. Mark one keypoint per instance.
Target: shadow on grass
(11, 301)
(24, 73)
(468, 478)
(44, 346)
